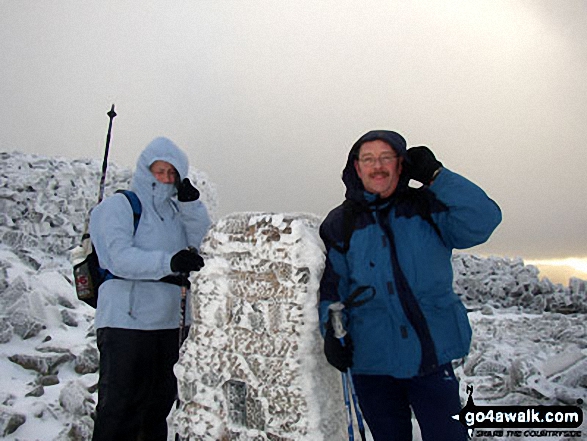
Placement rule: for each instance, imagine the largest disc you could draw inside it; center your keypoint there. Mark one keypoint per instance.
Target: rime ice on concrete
(252, 367)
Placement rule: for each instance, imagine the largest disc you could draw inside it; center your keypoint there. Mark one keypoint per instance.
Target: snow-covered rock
(44, 202)
(501, 282)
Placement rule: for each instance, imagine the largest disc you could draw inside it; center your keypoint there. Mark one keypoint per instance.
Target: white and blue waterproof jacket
(136, 299)
(406, 320)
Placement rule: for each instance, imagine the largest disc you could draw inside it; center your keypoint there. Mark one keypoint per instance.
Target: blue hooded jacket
(408, 321)
(137, 299)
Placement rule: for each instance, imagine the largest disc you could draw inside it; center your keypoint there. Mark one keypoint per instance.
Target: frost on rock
(10, 420)
(75, 399)
(501, 283)
(44, 202)
(253, 367)
(521, 359)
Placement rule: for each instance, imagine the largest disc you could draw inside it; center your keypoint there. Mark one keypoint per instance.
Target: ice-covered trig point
(252, 367)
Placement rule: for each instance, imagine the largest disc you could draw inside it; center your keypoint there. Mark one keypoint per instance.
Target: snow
(530, 337)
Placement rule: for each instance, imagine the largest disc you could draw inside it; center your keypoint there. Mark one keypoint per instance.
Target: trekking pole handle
(184, 286)
(336, 319)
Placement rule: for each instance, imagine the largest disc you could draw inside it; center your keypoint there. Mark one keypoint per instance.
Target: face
(164, 172)
(379, 167)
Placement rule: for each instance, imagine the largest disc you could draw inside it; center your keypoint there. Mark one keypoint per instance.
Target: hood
(160, 149)
(354, 187)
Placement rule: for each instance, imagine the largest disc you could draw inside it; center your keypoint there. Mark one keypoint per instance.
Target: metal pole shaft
(111, 114)
(181, 339)
(347, 403)
(358, 413)
(182, 313)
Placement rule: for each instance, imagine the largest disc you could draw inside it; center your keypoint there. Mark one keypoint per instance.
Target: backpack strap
(337, 228)
(348, 223)
(422, 205)
(137, 209)
(349, 215)
(135, 204)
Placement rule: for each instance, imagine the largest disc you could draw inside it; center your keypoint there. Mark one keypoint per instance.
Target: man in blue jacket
(138, 313)
(388, 262)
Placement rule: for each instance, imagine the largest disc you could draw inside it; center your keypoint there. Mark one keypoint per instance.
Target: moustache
(382, 173)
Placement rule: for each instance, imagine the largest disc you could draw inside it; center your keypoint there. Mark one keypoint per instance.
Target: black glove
(186, 192)
(185, 261)
(421, 164)
(177, 279)
(339, 356)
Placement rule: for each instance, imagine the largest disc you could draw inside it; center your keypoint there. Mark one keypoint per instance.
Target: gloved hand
(186, 192)
(339, 356)
(421, 164)
(177, 279)
(185, 261)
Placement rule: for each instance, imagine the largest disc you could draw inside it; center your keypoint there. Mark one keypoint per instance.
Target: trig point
(252, 367)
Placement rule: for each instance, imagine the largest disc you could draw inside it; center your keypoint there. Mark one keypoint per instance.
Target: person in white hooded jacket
(138, 312)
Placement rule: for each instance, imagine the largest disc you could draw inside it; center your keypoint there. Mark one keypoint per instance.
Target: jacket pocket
(449, 326)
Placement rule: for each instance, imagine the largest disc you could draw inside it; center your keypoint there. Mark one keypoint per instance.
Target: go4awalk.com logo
(523, 421)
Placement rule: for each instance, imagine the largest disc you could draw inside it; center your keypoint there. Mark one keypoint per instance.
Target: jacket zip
(153, 185)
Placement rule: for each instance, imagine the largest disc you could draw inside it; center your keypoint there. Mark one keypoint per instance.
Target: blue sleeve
(471, 216)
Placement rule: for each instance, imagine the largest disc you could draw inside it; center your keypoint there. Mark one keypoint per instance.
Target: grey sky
(268, 96)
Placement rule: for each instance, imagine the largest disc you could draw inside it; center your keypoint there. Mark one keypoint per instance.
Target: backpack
(86, 269)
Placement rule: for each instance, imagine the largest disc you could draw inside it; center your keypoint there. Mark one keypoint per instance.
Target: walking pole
(347, 403)
(182, 308)
(356, 406)
(80, 255)
(347, 379)
(111, 114)
(182, 312)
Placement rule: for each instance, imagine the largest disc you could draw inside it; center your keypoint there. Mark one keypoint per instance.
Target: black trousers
(387, 405)
(137, 387)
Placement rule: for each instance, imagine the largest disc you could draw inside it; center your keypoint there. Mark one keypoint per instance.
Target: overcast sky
(267, 97)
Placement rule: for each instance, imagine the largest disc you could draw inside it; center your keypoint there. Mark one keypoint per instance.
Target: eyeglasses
(370, 161)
